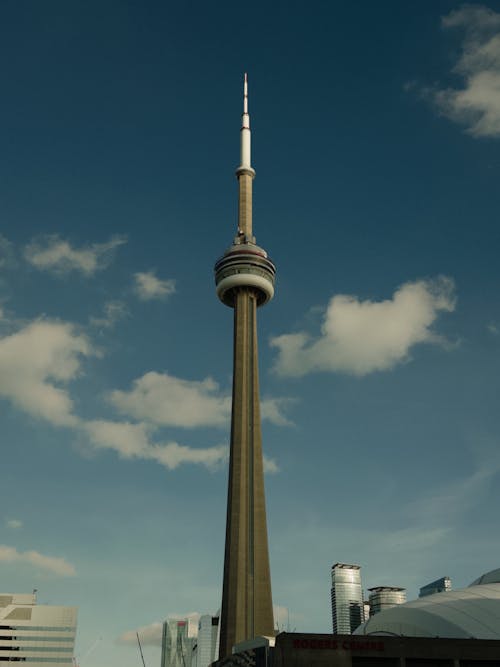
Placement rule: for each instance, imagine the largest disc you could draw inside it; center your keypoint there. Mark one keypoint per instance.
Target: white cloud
(147, 286)
(493, 328)
(360, 337)
(51, 253)
(172, 455)
(273, 410)
(127, 439)
(477, 103)
(114, 311)
(168, 400)
(33, 360)
(270, 465)
(58, 566)
(15, 524)
(131, 440)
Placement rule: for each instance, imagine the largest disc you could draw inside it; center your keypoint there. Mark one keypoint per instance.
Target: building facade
(347, 598)
(204, 652)
(42, 635)
(439, 586)
(176, 645)
(315, 650)
(385, 597)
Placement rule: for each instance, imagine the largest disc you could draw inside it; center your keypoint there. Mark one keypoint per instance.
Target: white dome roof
(470, 612)
(492, 577)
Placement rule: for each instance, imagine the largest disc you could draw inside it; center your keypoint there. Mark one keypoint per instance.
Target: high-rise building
(176, 644)
(43, 635)
(439, 586)
(347, 598)
(384, 597)
(244, 278)
(206, 642)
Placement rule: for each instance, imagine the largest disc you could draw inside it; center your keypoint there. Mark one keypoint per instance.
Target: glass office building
(206, 644)
(347, 598)
(439, 586)
(385, 597)
(176, 645)
(42, 635)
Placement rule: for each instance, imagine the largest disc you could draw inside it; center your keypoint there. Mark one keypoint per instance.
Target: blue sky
(376, 144)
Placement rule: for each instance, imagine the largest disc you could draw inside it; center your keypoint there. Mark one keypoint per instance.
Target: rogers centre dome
(472, 612)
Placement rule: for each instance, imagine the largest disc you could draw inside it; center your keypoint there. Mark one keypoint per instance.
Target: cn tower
(244, 277)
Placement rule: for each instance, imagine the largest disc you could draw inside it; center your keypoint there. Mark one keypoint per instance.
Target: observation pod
(244, 265)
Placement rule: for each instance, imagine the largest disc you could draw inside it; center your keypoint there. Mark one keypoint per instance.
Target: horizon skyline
(375, 140)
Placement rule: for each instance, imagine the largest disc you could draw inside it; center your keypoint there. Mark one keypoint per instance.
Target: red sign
(339, 645)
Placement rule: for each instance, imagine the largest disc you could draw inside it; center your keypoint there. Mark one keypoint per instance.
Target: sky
(375, 137)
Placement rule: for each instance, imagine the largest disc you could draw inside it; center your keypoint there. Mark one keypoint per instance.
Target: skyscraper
(385, 597)
(42, 635)
(176, 645)
(347, 598)
(439, 586)
(206, 641)
(244, 279)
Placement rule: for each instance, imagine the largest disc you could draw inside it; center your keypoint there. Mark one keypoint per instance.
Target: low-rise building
(38, 634)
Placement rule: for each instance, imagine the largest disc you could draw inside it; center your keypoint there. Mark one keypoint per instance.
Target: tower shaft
(246, 599)
(245, 181)
(244, 277)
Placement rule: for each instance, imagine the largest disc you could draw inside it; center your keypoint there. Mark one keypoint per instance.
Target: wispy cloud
(149, 635)
(172, 455)
(51, 253)
(113, 312)
(53, 564)
(360, 337)
(148, 287)
(273, 410)
(132, 440)
(455, 498)
(15, 524)
(476, 104)
(270, 465)
(433, 520)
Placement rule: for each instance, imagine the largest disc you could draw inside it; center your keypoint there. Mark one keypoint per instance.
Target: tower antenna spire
(245, 134)
(245, 94)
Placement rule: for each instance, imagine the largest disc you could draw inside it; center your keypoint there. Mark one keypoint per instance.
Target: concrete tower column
(245, 280)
